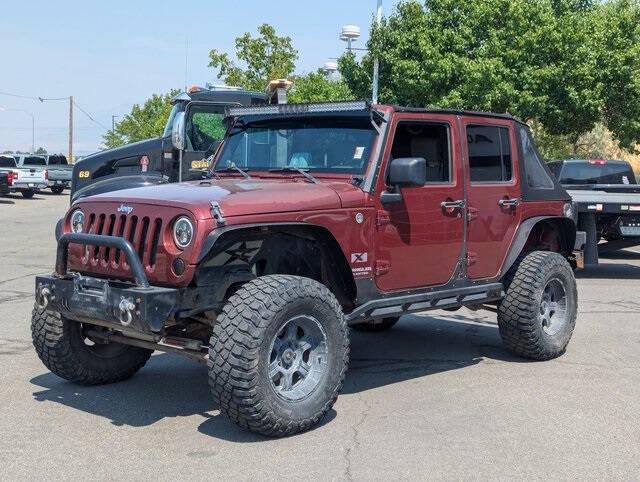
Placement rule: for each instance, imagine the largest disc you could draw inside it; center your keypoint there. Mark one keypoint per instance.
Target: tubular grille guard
(100, 241)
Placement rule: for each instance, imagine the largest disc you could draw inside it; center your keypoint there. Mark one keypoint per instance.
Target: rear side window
(537, 176)
(489, 153)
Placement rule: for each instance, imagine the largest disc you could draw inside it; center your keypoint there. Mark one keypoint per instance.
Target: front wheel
(64, 348)
(278, 355)
(538, 314)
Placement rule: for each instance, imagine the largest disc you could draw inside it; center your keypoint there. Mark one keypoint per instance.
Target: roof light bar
(299, 108)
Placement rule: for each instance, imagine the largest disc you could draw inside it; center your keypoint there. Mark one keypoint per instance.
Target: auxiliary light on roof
(299, 108)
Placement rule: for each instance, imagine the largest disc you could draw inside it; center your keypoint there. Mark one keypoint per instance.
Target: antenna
(186, 61)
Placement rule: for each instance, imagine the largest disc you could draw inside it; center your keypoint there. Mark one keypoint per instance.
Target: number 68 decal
(83, 174)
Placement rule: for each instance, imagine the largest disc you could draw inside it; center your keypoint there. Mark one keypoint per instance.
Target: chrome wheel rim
(298, 358)
(552, 311)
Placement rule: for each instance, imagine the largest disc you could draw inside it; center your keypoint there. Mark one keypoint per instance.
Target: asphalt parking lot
(436, 397)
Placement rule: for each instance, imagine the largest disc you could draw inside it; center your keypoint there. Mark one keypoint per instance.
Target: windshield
(592, 173)
(322, 145)
(169, 125)
(34, 161)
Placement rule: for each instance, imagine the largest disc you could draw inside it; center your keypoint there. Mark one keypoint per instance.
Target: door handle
(508, 203)
(453, 204)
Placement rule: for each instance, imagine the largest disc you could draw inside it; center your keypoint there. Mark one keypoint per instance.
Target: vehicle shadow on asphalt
(6, 201)
(53, 194)
(423, 345)
(170, 386)
(20, 196)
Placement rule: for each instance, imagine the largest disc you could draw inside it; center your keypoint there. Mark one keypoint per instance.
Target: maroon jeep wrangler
(314, 218)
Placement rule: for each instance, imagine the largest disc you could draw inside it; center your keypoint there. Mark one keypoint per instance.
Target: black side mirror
(404, 171)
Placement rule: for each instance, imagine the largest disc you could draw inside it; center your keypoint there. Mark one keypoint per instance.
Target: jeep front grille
(142, 232)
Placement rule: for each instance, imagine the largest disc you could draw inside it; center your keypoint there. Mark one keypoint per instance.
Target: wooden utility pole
(71, 129)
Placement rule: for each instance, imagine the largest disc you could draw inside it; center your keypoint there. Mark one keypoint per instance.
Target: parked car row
(28, 173)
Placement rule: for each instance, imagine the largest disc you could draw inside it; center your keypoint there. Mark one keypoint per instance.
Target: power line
(89, 116)
(42, 99)
(18, 96)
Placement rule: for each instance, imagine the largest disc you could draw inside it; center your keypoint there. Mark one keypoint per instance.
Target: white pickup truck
(26, 180)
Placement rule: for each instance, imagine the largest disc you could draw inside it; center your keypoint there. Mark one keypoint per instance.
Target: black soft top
(461, 112)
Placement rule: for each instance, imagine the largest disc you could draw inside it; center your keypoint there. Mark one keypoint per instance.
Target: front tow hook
(42, 297)
(125, 311)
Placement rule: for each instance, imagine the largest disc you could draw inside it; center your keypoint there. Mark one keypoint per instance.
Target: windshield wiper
(233, 167)
(298, 170)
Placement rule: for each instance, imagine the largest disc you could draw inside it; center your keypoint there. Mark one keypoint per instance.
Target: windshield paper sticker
(358, 153)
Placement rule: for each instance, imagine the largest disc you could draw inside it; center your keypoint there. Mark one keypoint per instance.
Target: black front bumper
(86, 298)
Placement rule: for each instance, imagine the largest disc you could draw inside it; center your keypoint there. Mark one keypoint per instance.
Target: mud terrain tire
(61, 346)
(272, 326)
(383, 324)
(538, 314)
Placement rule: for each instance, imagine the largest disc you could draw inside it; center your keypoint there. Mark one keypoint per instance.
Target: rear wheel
(538, 314)
(381, 324)
(278, 355)
(64, 348)
(28, 193)
(57, 189)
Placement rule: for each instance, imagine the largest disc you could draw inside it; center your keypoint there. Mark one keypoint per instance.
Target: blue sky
(110, 55)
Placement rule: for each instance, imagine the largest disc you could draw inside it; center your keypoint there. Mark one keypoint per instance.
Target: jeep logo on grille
(125, 209)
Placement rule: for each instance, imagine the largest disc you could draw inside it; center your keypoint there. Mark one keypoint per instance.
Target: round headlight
(77, 221)
(182, 232)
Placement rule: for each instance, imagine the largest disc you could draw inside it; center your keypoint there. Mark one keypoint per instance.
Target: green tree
(143, 122)
(618, 68)
(566, 64)
(267, 57)
(316, 87)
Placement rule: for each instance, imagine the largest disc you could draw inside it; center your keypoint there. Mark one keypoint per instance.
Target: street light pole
(376, 65)
(113, 122)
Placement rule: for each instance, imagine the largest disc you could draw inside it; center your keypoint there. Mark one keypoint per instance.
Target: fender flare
(522, 234)
(339, 261)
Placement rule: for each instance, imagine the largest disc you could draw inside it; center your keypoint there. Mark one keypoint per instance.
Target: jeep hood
(238, 197)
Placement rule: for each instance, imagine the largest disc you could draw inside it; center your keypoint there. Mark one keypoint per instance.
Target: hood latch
(216, 212)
